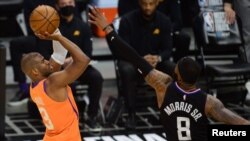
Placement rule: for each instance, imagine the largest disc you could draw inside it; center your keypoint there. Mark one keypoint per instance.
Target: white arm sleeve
(59, 52)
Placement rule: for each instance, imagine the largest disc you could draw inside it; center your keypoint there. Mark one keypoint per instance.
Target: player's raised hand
(97, 18)
(48, 36)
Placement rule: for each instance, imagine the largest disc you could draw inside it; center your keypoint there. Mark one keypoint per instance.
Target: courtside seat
(222, 54)
(229, 69)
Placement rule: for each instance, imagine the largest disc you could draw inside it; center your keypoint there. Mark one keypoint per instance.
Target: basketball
(44, 18)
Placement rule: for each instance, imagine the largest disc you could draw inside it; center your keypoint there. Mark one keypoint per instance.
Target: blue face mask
(67, 10)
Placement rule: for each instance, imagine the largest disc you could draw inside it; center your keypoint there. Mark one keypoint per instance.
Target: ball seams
(46, 19)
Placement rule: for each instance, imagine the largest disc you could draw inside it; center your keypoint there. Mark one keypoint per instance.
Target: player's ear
(35, 71)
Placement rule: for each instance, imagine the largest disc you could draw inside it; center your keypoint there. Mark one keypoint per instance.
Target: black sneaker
(131, 122)
(92, 123)
(20, 98)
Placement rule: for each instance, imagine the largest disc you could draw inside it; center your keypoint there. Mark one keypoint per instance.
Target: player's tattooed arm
(159, 81)
(216, 110)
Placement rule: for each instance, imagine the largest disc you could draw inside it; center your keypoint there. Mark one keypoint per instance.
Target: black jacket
(147, 37)
(79, 33)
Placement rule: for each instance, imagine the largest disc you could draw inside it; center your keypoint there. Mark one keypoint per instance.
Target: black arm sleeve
(121, 49)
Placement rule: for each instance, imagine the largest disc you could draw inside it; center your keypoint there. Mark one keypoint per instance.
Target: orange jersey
(60, 118)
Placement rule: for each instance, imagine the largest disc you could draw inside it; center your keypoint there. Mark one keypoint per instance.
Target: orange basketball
(44, 18)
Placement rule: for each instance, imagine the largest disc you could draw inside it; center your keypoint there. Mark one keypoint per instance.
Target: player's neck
(37, 79)
(187, 87)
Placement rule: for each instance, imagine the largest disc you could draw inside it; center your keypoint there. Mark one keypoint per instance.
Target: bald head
(35, 66)
(28, 62)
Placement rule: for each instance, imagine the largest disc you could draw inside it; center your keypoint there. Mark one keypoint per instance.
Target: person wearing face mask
(66, 11)
(79, 32)
(69, 10)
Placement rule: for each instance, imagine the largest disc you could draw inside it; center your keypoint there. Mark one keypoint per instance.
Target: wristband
(59, 52)
(105, 27)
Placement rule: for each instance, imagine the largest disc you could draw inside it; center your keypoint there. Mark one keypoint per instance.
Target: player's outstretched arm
(120, 47)
(154, 78)
(215, 109)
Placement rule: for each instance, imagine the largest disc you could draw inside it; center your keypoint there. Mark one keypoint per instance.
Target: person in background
(240, 8)
(148, 31)
(79, 32)
(172, 9)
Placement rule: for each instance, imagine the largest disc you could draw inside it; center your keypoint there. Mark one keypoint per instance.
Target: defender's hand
(97, 18)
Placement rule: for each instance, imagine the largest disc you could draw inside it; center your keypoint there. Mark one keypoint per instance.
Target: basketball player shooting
(49, 88)
(178, 98)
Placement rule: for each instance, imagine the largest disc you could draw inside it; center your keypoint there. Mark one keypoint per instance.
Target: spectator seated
(222, 54)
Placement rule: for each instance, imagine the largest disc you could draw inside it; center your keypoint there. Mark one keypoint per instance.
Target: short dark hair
(189, 70)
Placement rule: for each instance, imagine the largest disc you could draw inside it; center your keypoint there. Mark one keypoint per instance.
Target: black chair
(222, 56)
